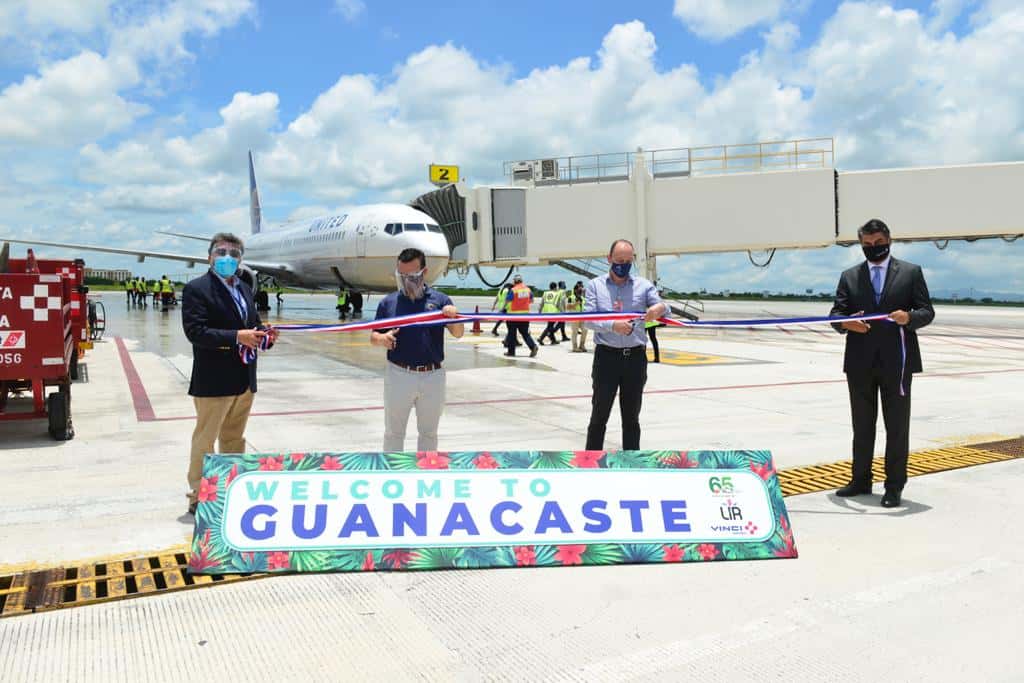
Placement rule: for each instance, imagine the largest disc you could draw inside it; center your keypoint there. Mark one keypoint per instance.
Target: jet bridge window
(416, 227)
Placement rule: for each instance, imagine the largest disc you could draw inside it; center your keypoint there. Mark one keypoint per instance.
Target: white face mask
(410, 284)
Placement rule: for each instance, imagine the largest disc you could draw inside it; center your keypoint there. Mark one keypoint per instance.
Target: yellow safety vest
(572, 303)
(342, 299)
(549, 303)
(500, 302)
(165, 286)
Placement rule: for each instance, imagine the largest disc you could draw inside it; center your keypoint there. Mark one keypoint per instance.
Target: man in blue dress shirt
(414, 377)
(620, 356)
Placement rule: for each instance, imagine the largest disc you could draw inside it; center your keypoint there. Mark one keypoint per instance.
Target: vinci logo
(12, 339)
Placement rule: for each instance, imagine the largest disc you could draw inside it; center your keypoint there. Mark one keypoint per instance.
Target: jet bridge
(761, 196)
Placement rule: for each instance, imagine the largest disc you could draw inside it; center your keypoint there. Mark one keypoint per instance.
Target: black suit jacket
(211, 322)
(904, 289)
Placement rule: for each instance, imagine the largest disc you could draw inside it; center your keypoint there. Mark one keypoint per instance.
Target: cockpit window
(393, 228)
(431, 227)
(416, 226)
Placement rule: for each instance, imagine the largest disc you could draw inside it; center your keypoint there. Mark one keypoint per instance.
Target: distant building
(116, 275)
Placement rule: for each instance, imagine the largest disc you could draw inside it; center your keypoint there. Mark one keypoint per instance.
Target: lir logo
(731, 512)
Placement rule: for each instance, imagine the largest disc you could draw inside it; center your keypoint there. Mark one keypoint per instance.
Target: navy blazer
(904, 289)
(211, 321)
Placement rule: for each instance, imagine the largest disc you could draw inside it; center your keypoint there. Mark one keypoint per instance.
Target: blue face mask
(621, 269)
(225, 266)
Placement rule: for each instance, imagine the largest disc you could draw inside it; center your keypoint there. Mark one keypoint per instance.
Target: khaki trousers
(579, 336)
(403, 391)
(221, 419)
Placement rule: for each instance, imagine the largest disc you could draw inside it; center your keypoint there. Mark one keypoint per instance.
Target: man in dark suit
(881, 357)
(219, 317)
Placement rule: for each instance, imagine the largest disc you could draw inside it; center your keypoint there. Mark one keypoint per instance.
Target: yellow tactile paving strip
(39, 590)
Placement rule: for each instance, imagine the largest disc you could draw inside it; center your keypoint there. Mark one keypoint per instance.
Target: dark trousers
(622, 371)
(549, 332)
(560, 327)
(523, 329)
(652, 334)
(496, 326)
(865, 388)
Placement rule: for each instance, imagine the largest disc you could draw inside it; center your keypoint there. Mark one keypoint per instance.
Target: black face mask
(876, 252)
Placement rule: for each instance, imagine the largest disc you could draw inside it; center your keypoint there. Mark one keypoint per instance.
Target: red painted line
(140, 399)
(569, 397)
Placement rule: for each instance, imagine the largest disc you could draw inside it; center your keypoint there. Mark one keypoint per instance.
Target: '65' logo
(12, 339)
(721, 485)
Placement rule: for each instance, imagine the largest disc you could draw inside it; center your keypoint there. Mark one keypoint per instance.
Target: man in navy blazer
(881, 357)
(219, 317)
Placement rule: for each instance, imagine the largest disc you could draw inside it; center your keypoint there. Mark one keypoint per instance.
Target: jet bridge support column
(640, 178)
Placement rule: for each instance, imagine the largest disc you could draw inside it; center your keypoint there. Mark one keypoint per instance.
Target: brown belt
(429, 367)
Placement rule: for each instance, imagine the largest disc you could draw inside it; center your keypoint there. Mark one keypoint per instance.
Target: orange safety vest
(521, 296)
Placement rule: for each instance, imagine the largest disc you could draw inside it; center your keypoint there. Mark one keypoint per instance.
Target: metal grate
(37, 591)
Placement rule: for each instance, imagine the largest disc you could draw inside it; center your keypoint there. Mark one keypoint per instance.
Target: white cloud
(720, 19)
(34, 17)
(71, 100)
(350, 9)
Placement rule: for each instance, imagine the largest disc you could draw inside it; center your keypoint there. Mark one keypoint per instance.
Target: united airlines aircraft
(356, 249)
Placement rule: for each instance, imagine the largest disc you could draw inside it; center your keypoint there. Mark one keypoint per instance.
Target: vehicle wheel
(58, 408)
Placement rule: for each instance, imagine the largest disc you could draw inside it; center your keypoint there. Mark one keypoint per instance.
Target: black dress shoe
(854, 489)
(192, 509)
(891, 499)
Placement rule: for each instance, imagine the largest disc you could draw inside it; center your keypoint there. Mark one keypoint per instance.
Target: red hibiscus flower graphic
(232, 474)
(332, 463)
(432, 460)
(296, 457)
(707, 551)
(788, 546)
(673, 553)
(764, 471)
(585, 459)
(368, 563)
(678, 460)
(272, 463)
(278, 560)
(397, 558)
(207, 489)
(526, 556)
(485, 461)
(570, 554)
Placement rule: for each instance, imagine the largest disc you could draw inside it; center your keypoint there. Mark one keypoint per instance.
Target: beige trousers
(221, 419)
(403, 391)
(579, 336)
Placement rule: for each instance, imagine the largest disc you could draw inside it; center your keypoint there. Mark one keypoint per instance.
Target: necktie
(876, 282)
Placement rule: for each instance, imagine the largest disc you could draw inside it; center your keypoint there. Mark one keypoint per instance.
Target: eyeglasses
(222, 251)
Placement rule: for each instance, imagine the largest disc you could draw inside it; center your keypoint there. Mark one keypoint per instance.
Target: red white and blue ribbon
(248, 355)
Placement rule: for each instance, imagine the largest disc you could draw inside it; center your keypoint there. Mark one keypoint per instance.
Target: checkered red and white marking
(40, 303)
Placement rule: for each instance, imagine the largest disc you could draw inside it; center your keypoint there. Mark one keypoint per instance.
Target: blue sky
(118, 118)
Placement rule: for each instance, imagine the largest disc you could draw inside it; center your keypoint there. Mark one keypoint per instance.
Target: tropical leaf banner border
(211, 554)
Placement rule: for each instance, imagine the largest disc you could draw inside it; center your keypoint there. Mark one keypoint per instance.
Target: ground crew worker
(652, 334)
(128, 290)
(133, 285)
(549, 304)
(278, 291)
(500, 305)
(143, 290)
(574, 304)
(166, 291)
(562, 295)
(342, 304)
(518, 300)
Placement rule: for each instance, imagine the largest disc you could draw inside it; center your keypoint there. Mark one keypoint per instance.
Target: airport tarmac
(928, 590)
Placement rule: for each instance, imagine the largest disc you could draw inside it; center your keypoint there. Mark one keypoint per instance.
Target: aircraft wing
(184, 234)
(140, 254)
(278, 270)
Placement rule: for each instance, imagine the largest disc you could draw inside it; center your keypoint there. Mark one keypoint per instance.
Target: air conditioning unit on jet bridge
(533, 171)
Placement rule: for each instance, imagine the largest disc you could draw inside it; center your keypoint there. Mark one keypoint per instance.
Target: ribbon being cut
(438, 318)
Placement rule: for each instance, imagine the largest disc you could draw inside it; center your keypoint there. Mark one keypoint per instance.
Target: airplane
(355, 250)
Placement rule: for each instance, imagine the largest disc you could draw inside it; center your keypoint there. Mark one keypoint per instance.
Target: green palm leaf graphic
(631, 459)
(520, 460)
(730, 460)
(311, 560)
(401, 461)
(552, 460)
(365, 461)
(435, 558)
(603, 553)
(545, 555)
(475, 557)
(642, 552)
(349, 560)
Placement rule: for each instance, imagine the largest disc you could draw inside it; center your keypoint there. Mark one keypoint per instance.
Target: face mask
(410, 284)
(876, 252)
(225, 266)
(621, 269)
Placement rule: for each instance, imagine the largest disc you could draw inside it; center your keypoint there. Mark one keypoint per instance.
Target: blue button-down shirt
(635, 294)
(236, 294)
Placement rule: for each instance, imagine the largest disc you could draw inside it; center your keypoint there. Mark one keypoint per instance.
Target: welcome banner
(369, 511)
